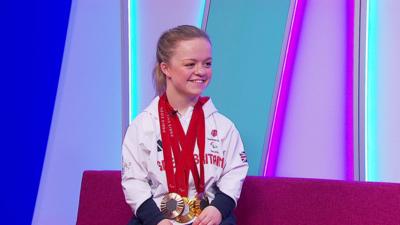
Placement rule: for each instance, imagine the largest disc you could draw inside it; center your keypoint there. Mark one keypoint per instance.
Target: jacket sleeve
(236, 166)
(134, 170)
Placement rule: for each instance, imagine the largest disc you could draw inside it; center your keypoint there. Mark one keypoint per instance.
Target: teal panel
(247, 39)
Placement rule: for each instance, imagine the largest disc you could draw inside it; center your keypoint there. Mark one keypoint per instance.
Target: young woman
(183, 162)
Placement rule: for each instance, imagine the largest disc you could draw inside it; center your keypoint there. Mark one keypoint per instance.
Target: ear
(165, 69)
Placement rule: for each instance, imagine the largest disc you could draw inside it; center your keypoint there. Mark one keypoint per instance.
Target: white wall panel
(313, 140)
(86, 127)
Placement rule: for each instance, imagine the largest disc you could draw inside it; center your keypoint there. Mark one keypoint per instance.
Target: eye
(208, 64)
(189, 65)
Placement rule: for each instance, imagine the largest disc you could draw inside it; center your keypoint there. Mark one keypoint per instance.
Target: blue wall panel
(34, 38)
(247, 40)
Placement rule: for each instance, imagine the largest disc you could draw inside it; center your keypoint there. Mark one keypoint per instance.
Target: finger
(200, 220)
(211, 223)
(205, 221)
(197, 221)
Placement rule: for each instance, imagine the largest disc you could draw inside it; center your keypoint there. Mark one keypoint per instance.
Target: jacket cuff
(149, 213)
(223, 203)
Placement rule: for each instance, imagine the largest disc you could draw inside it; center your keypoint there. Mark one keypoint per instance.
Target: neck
(179, 102)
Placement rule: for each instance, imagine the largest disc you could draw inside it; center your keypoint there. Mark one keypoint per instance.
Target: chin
(194, 94)
(197, 92)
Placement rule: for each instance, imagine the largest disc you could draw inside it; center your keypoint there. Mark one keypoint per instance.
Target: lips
(198, 81)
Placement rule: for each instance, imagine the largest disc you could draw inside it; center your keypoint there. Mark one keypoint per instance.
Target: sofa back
(264, 201)
(299, 201)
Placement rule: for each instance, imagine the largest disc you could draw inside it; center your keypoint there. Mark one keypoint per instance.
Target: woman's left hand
(209, 216)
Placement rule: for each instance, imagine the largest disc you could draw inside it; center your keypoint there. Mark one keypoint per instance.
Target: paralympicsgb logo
(214, 133)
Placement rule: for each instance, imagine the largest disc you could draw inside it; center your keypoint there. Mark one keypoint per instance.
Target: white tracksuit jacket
(143, 174)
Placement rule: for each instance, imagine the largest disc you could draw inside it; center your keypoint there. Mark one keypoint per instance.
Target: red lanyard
(182, 146)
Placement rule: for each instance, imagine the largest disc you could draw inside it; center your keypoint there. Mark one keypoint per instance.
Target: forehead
(198, 48)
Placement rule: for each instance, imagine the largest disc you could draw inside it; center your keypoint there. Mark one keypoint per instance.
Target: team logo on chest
(213, 145)
(213, 137)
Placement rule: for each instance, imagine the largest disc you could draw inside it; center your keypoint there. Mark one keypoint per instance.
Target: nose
(200, 70)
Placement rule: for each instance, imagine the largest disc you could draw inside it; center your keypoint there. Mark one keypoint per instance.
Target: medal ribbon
(182, 146)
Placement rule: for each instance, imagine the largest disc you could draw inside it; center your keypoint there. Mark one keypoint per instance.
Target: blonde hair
(165, 49)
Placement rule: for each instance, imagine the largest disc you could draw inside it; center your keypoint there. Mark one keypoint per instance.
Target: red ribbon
(181, 146)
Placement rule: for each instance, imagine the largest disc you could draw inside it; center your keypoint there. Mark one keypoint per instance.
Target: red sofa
(264, 201)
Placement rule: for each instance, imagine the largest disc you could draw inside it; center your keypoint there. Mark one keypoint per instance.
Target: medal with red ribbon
(179, 147)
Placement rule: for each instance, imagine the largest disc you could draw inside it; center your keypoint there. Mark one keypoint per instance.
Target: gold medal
(187, 214)
(172, 205)
(198, 204)
(182, 209)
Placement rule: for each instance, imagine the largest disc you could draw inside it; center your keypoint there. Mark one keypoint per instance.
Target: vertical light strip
(349, 92)
(284, 86)
(371, 93)
(202, 9)
(133, 61)
(135, 81)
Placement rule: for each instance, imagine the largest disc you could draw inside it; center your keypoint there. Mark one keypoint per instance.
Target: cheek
(182, 76)
(209, 72)
(179, 74)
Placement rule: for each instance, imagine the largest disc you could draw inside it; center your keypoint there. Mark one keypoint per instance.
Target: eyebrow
(209, 58)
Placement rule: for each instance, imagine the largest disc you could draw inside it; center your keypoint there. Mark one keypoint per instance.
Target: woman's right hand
(165, 222)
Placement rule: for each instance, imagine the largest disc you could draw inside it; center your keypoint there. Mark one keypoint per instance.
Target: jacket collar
(208, 108)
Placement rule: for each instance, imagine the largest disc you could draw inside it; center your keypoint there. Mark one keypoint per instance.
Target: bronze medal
(172, 205)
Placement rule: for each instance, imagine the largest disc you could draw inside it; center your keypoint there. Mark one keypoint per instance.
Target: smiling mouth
(198, 81)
